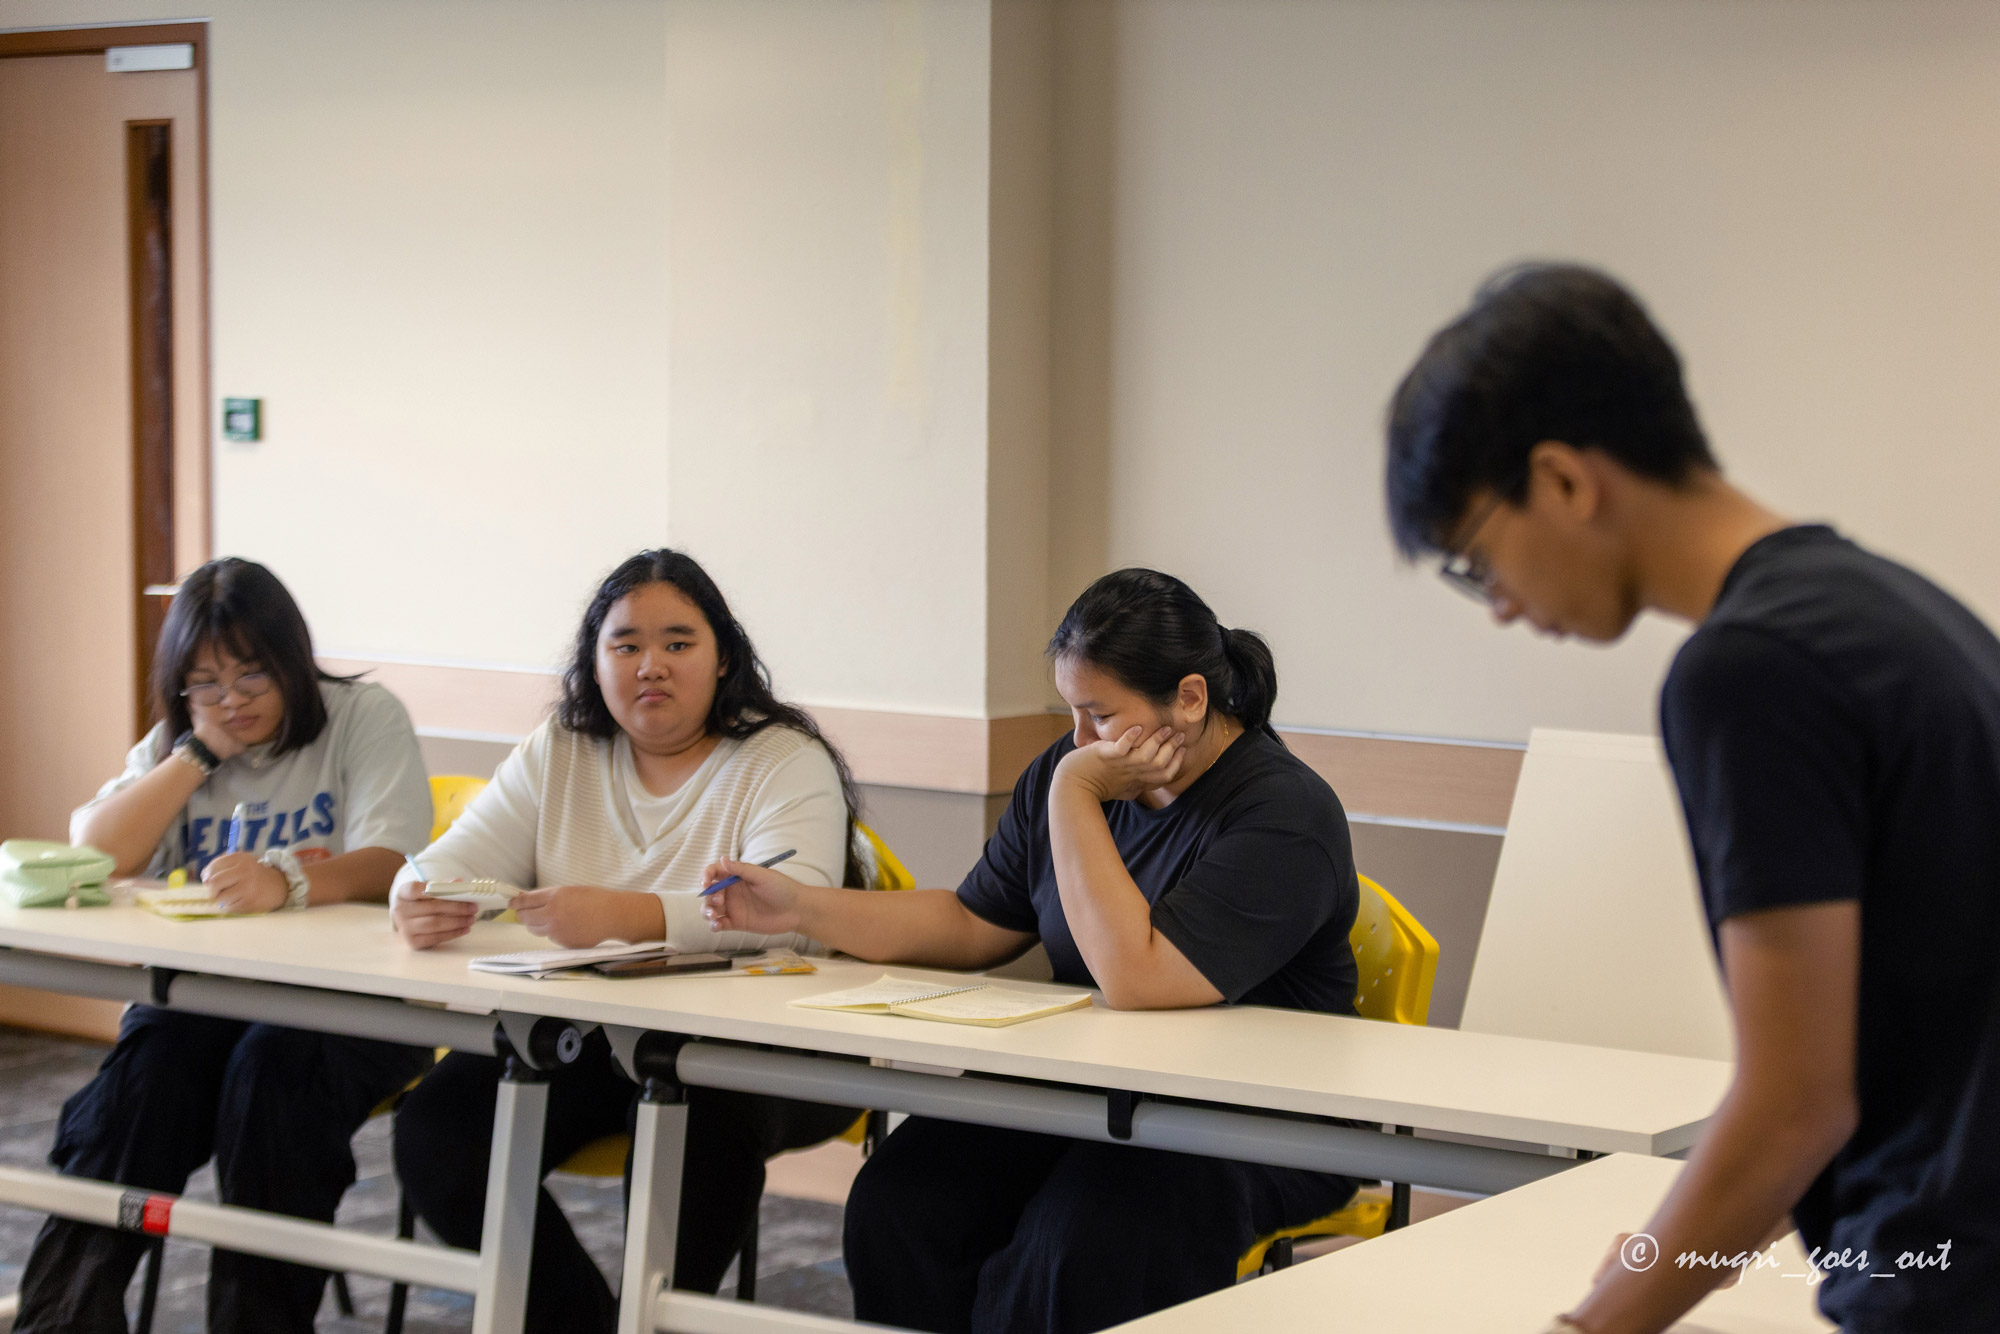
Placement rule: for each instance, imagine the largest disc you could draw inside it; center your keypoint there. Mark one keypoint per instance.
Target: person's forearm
(1759, 1154)
(922, 927)
(1108, 914)
(361, 876)
(129, 824)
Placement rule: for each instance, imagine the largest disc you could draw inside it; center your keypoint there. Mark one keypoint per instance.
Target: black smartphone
(663, 965)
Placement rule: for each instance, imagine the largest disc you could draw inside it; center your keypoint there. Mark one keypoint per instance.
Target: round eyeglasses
(1465, 569)
(208, 694)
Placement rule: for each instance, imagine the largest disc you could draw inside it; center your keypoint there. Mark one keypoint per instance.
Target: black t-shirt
(1834, 727)
(1249, 873)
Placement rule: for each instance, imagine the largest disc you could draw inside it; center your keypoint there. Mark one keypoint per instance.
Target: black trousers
(444, 1136)
(955, 1228)
(275, 1107)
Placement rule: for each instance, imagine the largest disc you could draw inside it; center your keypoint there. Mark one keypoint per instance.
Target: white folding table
(1506, 1263)
(1245, 1083)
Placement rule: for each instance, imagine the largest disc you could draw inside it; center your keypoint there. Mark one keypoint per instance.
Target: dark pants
(275, 1107)
(953, 1228)
(444, 1135)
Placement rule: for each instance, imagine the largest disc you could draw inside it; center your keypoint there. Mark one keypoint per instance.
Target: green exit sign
(243, 419)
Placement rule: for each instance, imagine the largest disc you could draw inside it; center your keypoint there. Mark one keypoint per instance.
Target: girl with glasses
(328, 792)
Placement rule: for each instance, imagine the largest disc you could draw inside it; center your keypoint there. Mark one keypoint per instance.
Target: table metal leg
(513, 1185)
(652, 1217)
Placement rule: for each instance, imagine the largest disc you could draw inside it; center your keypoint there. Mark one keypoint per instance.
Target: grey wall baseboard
(451, 755)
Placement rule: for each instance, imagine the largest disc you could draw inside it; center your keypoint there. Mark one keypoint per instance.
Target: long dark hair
(1149, 630)
(239, 606)
(744, 704)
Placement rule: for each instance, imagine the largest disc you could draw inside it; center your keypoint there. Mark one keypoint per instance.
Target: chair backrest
(1594, 932)
(450, 795)
(884, 869)
(1395, 958)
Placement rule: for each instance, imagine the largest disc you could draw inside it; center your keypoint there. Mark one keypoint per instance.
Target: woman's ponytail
(1150, 630)
(1253, 676)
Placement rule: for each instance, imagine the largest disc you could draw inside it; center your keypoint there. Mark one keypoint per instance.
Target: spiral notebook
(978, 1003)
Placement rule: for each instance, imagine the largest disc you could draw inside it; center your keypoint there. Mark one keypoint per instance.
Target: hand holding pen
(727, 881)
(742, 896)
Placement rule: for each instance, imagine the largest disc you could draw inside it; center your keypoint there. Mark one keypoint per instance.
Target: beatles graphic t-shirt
(359, 784)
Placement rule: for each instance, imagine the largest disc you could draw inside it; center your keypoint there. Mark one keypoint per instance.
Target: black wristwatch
(195, 752)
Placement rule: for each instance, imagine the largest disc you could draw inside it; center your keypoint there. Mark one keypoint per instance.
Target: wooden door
(103, 403)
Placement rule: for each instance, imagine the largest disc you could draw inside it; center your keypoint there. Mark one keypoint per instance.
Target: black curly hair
(744, 704)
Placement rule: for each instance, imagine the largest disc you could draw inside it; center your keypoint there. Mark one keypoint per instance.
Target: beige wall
(828, 369)
(526, 286)
(911, 316)
(1269, 204)
(440, 260)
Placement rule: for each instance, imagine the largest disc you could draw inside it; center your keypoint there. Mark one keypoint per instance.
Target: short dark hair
(1546, 352)
(240, 607)
(744, 704)
(1149, 630)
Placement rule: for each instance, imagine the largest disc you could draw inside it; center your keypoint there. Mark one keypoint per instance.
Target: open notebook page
(880, 994)
(992, 1007)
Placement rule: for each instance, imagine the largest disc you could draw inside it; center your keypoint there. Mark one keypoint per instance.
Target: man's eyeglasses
(208, 694)
(1466, 570)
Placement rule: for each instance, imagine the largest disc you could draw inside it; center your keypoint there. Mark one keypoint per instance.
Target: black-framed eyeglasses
(250, 685)
(1466, 570)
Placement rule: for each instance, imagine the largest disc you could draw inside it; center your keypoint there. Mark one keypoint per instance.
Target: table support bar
(251, 1231)
(256, 1002)
(334, 1012)
(1241, 1136)
(513, 1191)
(652, 1221)
(76, 977)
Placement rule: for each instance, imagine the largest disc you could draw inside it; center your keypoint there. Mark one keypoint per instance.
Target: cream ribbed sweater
(558, 812)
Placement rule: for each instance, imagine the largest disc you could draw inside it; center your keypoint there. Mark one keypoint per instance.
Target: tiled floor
(799, 1246)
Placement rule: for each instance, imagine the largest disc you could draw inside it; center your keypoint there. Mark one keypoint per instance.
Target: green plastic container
(35, 874)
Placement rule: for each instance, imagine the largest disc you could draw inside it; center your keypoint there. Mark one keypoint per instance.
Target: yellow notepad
(192, 903)
(976, 1003)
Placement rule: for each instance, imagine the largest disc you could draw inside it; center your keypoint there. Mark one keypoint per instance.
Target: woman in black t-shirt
(1170, 852)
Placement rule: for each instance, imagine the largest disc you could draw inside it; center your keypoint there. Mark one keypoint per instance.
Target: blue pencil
(729, 880)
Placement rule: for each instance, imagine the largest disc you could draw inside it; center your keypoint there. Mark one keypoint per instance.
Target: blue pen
(727, 881)
(236, 827)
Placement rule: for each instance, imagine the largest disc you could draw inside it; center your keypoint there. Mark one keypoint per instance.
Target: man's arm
(1794, 982)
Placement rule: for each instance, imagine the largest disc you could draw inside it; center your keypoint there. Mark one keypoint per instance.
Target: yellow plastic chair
(1395, 961)
(450, 795)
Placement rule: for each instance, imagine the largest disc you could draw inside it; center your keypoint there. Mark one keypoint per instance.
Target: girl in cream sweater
(668, 750)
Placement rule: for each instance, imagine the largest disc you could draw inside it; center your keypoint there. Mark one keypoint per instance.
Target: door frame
(91, 40)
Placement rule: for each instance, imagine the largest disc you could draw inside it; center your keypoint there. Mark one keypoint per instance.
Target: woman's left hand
(576, 917)
(1120, 770)
(241, 883)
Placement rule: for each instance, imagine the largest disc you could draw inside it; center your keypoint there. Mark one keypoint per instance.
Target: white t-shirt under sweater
(359, 784)
(568, 809)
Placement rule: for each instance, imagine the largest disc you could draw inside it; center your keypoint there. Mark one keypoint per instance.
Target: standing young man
(1834, 728)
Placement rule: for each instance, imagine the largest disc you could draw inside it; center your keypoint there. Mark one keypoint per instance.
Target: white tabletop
(1509, 1263)
(1518, 1089)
